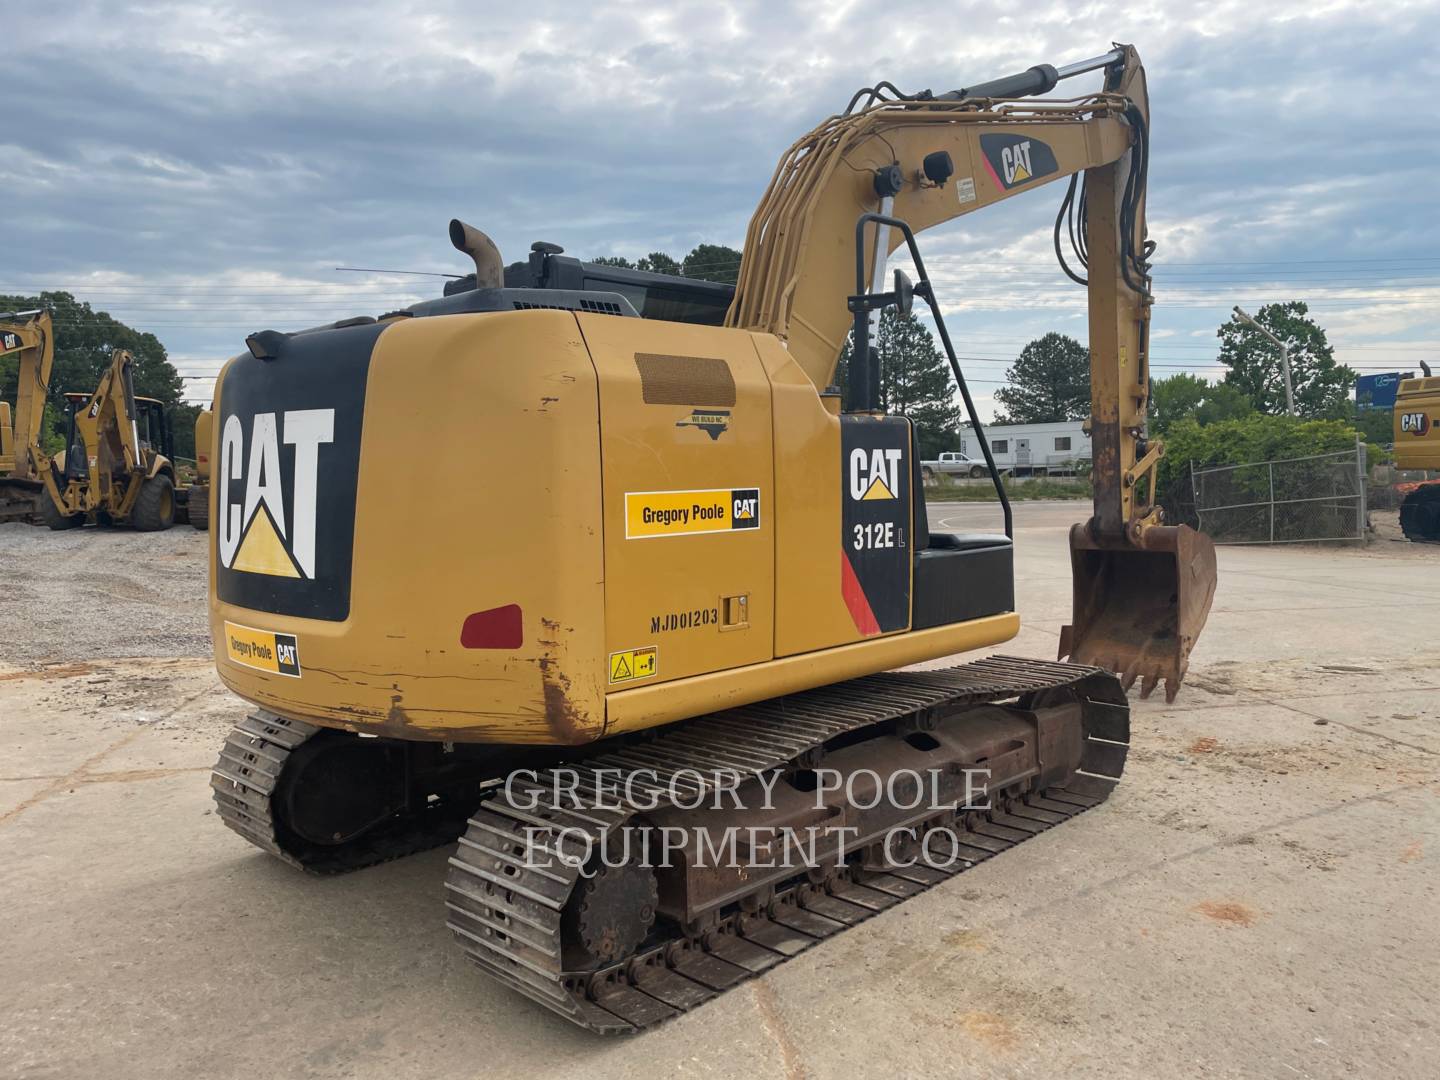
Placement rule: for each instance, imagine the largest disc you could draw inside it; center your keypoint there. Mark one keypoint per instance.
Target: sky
(199, 170)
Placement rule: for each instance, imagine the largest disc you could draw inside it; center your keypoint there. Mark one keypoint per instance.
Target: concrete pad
(1258, 898)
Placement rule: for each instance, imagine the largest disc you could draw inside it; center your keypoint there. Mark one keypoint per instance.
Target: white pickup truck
(952, 463)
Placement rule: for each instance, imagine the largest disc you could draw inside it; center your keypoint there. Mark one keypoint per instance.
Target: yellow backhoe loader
(117, 465)
(635, 644)
(30, 337)
(1417, 446)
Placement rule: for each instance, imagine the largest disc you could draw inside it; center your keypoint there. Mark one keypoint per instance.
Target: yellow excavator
(30, 337)
(651, 607)
(118, 460)
(1417, 446)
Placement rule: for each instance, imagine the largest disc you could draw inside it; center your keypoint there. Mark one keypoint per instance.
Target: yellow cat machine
(657, 588)
(1417, 446)
(118, 461)
(29, 336)
(197, 496)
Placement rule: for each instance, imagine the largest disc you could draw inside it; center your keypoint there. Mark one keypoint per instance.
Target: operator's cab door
(687, 475)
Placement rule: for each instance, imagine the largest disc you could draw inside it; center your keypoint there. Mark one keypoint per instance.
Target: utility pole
(1284, 358)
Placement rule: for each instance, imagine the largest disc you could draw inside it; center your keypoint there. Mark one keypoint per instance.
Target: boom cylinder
(1040, 79)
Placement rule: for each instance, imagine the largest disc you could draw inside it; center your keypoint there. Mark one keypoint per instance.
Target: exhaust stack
(489, 268)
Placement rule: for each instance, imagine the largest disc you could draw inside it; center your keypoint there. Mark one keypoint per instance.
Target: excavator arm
(1142, 590)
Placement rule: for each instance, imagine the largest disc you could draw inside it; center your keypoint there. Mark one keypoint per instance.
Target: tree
(1376, 426)
(1174, 399)
(1224, 402)
(708, 262)
(85, 340)
(713, 262)
(1049, 381)
(1321, 386)
(1189, 397)
(915, 381)
(657, 262)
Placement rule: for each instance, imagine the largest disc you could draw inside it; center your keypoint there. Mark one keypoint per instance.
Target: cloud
(199, 168)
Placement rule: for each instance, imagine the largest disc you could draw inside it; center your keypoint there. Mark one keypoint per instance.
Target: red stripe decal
(855, 599)
(991, 170)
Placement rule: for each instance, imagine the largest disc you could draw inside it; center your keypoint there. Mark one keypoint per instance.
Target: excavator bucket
(1139, 608)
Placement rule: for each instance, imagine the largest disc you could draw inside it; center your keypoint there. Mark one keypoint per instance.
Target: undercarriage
(624, 884)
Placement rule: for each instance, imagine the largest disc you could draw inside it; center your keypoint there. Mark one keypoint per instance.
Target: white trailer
(1058, 449)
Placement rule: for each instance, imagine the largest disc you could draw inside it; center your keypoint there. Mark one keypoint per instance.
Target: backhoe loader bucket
(1139, 608)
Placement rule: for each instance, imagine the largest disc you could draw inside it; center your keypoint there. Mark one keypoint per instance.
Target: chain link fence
(1289, 501)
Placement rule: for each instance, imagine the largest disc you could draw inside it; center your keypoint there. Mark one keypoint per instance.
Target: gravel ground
(100, 593)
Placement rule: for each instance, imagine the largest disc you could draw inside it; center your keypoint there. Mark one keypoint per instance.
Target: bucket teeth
(1139, 608)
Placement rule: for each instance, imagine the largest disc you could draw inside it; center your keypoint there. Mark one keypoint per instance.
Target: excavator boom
(1143, 590)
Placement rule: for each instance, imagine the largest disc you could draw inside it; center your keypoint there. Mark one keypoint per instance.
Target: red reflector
(498, 628)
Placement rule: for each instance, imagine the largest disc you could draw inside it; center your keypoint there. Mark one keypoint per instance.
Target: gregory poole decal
(263, 650)
(650, 514)
(287, 473)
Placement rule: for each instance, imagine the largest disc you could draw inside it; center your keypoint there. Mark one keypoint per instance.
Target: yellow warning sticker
(632, 664)
(263, 650)
(649, 514)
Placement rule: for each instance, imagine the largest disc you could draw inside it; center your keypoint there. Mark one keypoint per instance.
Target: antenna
(416, 273)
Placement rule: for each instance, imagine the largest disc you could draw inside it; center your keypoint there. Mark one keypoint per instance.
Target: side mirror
(904, 293)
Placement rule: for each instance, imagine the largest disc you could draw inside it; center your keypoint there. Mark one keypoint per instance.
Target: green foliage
(1050, 381)
(708, 262)
(657, 262)
(182, 426)
(713, 262)
(1321, 386)
(1377, 426)
(85, 339)
(1174, 399)
(1224, 403)
(915, 381)
(1242, 442)
(1186, 396)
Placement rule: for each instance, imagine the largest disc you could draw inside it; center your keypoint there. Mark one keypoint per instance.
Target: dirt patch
(969, 940)
(1204, 745)
(55, 671)
(990, 1029)
(1228, 912)
(1412, 853)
